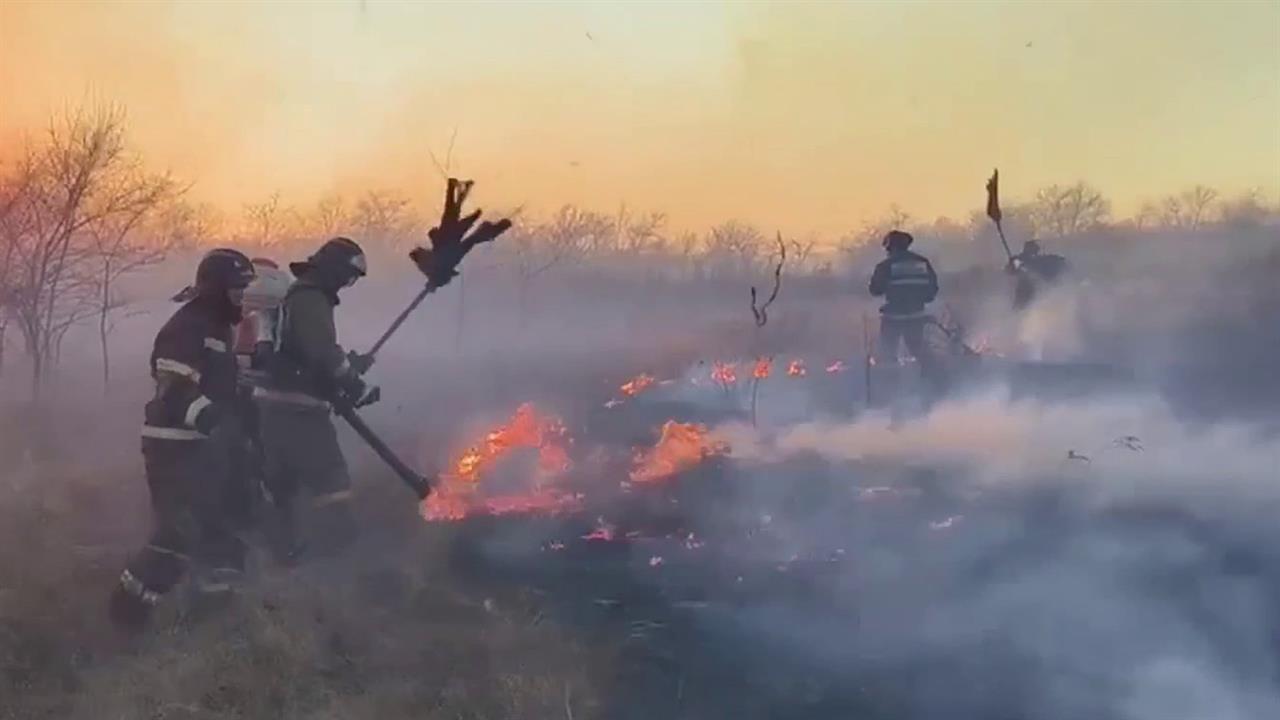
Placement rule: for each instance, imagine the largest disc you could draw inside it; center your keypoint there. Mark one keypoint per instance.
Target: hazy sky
(803, 116)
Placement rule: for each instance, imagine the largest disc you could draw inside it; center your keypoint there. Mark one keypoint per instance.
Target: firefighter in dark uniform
(907, 282)
(187, 470)
(1034, 269)
(309, 370)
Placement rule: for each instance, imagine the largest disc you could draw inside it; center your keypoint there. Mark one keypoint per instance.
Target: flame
(796, 368)
(637, 384)
(680, 447)
(459, 494)
(764, 366)
(724, 373)
(837, 366)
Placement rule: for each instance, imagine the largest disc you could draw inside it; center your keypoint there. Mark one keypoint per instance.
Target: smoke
(1094, 558)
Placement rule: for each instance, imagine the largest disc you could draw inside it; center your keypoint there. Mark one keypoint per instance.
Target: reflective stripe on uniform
(134, 587)
(166, 433)
(166, 551)
(330, 498)
(193, 410)
(215, 344)
(177, 368)
(909, 281)
(888, 315)
(343, 367)
(292, 398)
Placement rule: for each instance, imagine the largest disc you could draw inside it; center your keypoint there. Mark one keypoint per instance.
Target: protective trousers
(302, 455)
(187, 481)
(911, 332)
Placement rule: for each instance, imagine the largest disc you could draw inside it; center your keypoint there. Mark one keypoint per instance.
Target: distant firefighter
(907, 282)
(1034, 270)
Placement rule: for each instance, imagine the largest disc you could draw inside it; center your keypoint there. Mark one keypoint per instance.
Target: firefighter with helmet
(195, 400)
(308, 370)
(908, 283)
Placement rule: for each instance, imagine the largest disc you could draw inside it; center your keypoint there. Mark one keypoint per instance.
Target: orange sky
(801, 116)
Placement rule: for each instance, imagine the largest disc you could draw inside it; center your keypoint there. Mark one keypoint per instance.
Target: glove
(351, 388)
(360, 364)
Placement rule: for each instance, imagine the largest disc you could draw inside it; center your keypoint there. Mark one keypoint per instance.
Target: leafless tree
(330, 217)
(119, 245)
(1188, 209)
(67, 186)
(736, 248)
(384, 219)
(1060, 211)
(268, 224)
(1249, 209)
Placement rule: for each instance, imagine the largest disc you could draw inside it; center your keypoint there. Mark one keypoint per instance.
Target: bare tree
(1067, 210)
(736, 248)
(267, 224)
(67, 186)
(559, 241)
(1188, 209)
(118, 249)
(330, 217)
(383, 218)
(1249, 209)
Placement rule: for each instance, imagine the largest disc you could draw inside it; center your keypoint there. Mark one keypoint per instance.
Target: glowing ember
(680, 447)
(837, 367)
(796, 368)
(637, 385)
(724, 373)
(612, 404)
(459, 493)
(693, 543)
(764, 366)
(655, 561)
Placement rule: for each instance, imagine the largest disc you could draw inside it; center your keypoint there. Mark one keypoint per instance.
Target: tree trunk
(103, 310)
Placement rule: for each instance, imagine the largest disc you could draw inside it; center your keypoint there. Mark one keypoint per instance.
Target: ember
(637, 385)
(680, 447)
(796, 368)
(763, 368)
(837, 366)
(603, 532)
(459, 493)
(725, 374)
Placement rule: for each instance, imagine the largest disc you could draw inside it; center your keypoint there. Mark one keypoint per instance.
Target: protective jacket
(907, 282)
(307, 363)
(195, 374)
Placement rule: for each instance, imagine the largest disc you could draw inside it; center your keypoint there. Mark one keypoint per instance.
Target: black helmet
(1031, 247)
(340, 259)
(897, 240)
(219, 270)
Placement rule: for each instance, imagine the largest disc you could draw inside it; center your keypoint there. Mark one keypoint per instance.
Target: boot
(127, 611)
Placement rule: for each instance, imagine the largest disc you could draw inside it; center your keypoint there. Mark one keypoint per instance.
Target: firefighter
(307, 372)
(195, 398)
(1034, 270)
(907, 282)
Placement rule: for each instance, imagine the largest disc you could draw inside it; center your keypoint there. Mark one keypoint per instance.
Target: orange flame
(796, 369)
(724, 373)
(459, 494)
(637, 384)
(680, 447)
(764, 366)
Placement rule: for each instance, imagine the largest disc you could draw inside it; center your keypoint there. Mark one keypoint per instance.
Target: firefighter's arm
(311, 326)
(179, 401)
(879, 279)
(933, 281)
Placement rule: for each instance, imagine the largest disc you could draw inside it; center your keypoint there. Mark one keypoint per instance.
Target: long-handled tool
(993, 210)
(347, 411)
